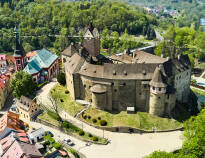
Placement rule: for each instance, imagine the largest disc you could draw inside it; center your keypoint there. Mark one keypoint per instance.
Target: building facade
(43, 66)
(27, 108)
(138, 80)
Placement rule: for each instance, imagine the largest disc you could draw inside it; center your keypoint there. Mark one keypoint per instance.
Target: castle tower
(19, 53)
(91, 40)
(157, 93)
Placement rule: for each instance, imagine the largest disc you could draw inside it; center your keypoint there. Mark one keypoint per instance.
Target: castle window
(168, 96)
(64, 60)
(84, 86)
(160, 89)
(153, 88)
(112, 84)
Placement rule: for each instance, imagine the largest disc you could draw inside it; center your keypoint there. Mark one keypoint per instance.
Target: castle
(135, 81)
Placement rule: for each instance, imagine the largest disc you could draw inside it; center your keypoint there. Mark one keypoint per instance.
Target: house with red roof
(10, 120)
(17, 145)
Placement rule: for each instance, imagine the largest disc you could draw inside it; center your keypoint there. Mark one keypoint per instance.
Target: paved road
(122, 144)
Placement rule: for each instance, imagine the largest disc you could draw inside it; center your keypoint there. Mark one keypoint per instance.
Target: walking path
(122, 144)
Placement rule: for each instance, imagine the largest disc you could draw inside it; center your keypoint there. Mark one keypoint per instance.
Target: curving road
(122, 144)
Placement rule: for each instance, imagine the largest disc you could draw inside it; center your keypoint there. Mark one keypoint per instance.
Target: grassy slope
(139, 120)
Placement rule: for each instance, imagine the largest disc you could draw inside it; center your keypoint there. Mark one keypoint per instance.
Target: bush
(61, 78)
(81, 133)
(99, 118)
(89, 117)
(46, 143)
(57, 146)
(66, 92)
(95, 138)
(94, 120)
(90, 135)
(85, 117)
(65, 124)
(103, 122)
(51, 140)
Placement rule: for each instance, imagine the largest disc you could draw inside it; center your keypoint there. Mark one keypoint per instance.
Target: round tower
(157, 93)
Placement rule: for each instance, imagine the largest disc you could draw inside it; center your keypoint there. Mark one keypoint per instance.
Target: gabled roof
(69, 51)
(176, 66)
(25, 103)
(6, 132)
(158, 79)
(19, 149)
(43, 59)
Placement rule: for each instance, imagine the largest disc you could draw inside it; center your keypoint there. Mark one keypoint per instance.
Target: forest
(47, 23)
(190, 10)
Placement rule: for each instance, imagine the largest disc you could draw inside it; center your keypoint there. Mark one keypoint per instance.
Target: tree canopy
(47, 23)
(22, 84)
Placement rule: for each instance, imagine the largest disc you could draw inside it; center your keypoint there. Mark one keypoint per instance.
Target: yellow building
(27, 108)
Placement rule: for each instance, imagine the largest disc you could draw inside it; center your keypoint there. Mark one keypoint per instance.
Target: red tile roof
(22, 134)
(31, 54)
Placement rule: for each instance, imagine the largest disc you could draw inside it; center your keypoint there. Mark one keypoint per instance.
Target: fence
(197, 86)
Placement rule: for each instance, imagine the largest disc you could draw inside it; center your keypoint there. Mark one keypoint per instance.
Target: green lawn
(139, 120)
(47, 118)
(64, 100)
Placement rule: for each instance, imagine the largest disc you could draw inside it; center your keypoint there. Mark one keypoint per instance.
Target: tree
(61, 78)
(22, 84)
(161, 154)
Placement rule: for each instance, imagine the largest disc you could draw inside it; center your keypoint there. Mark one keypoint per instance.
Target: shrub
(103, 122)
(51, 140)
(61, 78)
(57, 145)
(66, 92)
(85, 117)
(66, 124)
(46, 143)
(99, 118)
(81, 133)
(90, 135)
(95, 138)
(94, 120)
(89, 117)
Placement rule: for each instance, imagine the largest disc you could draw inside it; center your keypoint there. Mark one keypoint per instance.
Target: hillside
(42, 21)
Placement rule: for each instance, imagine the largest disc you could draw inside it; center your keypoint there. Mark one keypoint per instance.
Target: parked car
(51, 134)
(66, 140)
(70, 143)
